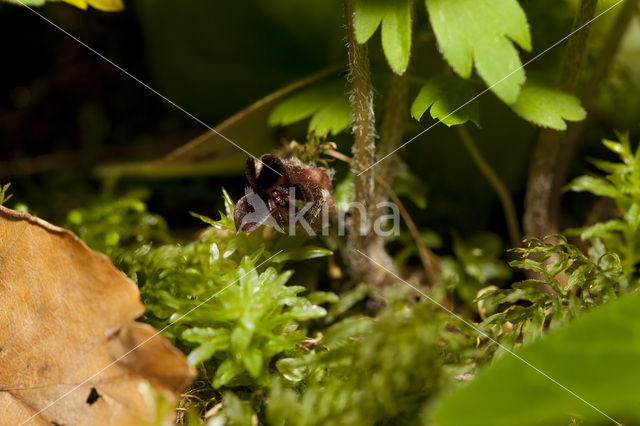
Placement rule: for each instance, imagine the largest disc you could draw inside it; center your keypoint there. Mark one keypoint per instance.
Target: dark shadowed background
(64, 110)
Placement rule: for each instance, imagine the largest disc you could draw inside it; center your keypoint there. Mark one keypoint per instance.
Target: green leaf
(595, 357)
(595, 185)
(225, 222)
(4, 197)
(304, 253)
(347, 300)
(226, 372)
(548, 107)
(480, 32)
(395, 16)
(578, 276)
(327, 105)
(291, 369)
(479, 257)
(320, 297)
(252, 360)
(307, 312)
(229, 205)
(633, 216)
(204, 352)
(622, 148)
(333, 118)
(598, 229)
(238, 412)
(343, 192)
(450, 100)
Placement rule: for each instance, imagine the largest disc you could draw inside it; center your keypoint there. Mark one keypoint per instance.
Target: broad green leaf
(333, 118)
(595, 358)
(548, 107)
(395, 16)
(481, 32)
(326, 104)
(450, 99)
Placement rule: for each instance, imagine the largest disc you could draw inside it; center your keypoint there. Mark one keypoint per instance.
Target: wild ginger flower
(287, 193)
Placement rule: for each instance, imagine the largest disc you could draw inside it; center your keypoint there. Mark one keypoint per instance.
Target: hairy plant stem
(577, 45)
(430, 261)
(604, 63)
(508, 205)
(539, 219)
(361, 98)
(396, 109)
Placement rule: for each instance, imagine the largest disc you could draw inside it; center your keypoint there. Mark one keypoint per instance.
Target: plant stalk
(430, 261)
(606, 57)
(577, 45)
(539, 217)
(396, 109)
(361, 98)
(508, 205)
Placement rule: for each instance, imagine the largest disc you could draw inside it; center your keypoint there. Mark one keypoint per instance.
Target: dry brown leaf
(66, 313)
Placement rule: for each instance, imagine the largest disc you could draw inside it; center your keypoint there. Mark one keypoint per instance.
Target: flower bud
(286, 193)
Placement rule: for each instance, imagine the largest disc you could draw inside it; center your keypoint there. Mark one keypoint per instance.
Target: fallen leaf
(69, 345)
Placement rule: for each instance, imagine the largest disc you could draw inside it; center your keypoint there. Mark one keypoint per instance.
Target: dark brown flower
(286, 191)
